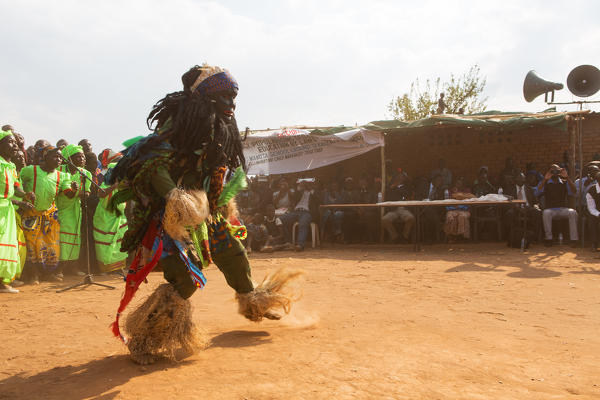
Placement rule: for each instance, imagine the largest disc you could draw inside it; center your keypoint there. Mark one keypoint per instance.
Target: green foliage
(464, 91)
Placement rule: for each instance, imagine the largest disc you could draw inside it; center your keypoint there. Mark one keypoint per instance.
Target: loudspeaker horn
(584, 81)
(533, 86)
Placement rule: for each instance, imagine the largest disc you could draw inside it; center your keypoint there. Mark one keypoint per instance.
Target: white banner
(294, 150)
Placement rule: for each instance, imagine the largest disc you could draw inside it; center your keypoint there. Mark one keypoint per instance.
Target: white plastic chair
(314, 228)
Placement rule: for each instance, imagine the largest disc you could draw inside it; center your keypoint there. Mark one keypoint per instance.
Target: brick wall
(466, 149)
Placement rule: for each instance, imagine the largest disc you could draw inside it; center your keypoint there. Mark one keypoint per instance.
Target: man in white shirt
(301, 213)
(283, 198)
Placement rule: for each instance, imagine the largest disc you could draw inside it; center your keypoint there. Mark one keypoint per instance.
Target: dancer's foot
(143, 359)
(272, 315)
(4, 288)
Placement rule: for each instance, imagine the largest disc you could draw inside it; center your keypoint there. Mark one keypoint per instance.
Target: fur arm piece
(185, 208)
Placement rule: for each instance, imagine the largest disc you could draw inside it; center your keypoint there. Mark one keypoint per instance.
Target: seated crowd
(277, 210)
(55, 204)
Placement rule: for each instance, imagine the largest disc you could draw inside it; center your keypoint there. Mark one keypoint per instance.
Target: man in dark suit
(521, 191)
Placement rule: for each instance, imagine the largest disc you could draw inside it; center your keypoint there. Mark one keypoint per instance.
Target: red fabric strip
(136, 276)
(105, 233)
(57, 180)
(34, 177)
(7, 245)
(6, 184)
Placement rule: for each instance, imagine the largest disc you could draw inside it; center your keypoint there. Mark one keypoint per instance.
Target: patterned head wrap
(108, 156)
(71, 150)
(4, 134)
(213, 80)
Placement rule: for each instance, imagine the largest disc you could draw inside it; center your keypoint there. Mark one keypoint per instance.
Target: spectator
(521, 191)
(30, 155)
(556, 186)
(507, 175)
(583, 185)
(257, 233)
(592, 198)
(91, 165)
(332, 195)
(399, 191)
(458, 218)
(40, 224)
(276, 240)
(61, 143)
(304, 206)
(437, 190)
(283, 198)
(530, 169)
(19, 160)
(350, 220)
(444, 172)
(482, 185)
(70, 208)
(87, 146)
(39, 146)
(433, 216)
(366, 217)
(10, 266)
(109, 228)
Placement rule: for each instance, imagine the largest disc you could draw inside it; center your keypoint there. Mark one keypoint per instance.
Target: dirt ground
(468, 321)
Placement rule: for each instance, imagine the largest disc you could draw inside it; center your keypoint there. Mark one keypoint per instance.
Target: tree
(463, 92)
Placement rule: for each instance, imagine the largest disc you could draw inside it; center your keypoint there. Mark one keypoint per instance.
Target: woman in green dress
(109, 229)
(19, 161)
(40, 224)
(9, 186)
(69, 208)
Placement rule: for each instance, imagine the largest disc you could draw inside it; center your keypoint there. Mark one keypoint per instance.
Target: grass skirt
(160, 326)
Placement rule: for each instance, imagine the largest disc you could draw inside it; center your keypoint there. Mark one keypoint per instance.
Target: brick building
(466, 147)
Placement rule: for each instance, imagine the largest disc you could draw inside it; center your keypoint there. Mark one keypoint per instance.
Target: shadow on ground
(241, 339)
(91, 380)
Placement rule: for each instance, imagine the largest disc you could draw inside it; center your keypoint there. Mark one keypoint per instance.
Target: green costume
(109, 228)
(9, 244)
(182, 179)
(40, 225)
(69, 209)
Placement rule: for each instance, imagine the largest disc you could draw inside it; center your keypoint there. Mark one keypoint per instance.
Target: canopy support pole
(383, 181)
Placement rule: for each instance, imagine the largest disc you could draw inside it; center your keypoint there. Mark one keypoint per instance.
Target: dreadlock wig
(195, 124)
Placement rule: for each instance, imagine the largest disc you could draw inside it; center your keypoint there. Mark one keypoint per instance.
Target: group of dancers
(42, 215)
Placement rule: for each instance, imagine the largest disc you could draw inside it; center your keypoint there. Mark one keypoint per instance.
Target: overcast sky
(93, 69)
